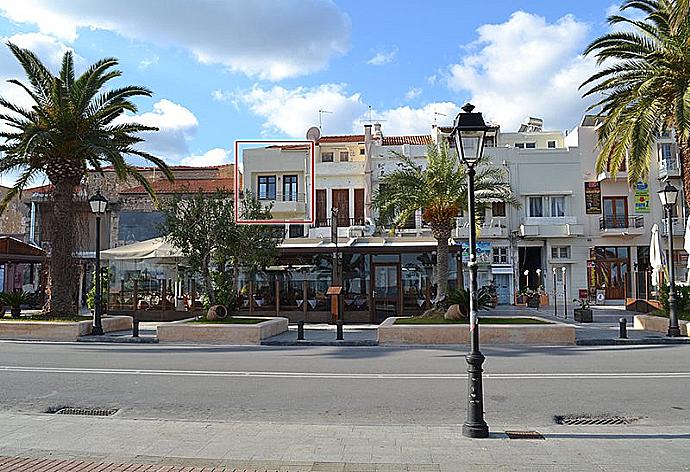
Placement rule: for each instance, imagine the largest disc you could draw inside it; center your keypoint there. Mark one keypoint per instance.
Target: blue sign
(483, 252)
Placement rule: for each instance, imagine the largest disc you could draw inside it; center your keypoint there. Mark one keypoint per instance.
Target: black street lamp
(668, 196)
(98, 205)
(469, 131)
(555, 293)
(565, 294)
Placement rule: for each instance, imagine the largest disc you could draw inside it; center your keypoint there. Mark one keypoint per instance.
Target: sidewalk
(341, 447)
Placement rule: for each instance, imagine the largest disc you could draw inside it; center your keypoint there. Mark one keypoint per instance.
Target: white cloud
(148, 62)
(413, 93)
(212, 157)
(527, 66)
(409, 120)
(264, 38)
(292, 112)
(383, 57)
(177, 126)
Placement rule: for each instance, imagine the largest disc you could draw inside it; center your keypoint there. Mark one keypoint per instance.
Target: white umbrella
(655, 255)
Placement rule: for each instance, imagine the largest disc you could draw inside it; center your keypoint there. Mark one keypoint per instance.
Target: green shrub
(682, 297)
(461, 297)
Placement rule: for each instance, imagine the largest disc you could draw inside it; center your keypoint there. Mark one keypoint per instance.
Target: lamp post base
(97, 331)
(475, 426)
(673, 332)
(477, 431)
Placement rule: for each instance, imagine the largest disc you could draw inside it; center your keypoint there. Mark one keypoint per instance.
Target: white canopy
(157, 248)
(655, 257)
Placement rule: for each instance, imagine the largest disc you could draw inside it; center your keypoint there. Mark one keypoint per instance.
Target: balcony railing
(669, 167)
(678, 226)
(342, 222)
(619, 222)
(282, 197)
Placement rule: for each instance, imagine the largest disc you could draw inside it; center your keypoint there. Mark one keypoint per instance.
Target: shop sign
(592, 198)
(484, 255)
(641, 197)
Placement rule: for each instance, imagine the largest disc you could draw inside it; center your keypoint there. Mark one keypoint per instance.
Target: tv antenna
(321, 112)
(436, 114)
(371, 120)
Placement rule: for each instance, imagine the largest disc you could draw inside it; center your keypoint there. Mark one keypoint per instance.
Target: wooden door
(341, 201)
(359, 206)
(321, 218)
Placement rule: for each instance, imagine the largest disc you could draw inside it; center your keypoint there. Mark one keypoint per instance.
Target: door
(385, 294)
(503, 288)
(290, 188)
(321, 219)
(359, 206)
(615, 212)
(341, 201)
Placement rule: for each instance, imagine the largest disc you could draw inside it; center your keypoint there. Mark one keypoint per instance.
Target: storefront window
(416, 282)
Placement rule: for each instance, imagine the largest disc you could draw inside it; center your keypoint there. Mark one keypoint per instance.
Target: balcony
(621, 226)
(322, 228)
(285, 203)
(550, 227)
(496, 227)
(669, 168)
(678, 226)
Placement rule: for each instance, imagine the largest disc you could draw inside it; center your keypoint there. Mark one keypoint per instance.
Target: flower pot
(582, 315)
(533, 302)
(16, 312)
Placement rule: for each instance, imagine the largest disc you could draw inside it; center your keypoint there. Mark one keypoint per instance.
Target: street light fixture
(98, 205)
(469, 131)
(668, 196)
(526, 273)
(555, 293)
(565, 294)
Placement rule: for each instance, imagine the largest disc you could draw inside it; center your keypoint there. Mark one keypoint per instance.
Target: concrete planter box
(219, 333)
(59, 330)
(553, 334)
(583, 315)
(659, 324)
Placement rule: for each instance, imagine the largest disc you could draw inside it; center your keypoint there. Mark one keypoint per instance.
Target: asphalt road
(524, 387)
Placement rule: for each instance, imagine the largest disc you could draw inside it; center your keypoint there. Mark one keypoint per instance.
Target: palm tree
(644, 86)
(73, 126)
(440, 190)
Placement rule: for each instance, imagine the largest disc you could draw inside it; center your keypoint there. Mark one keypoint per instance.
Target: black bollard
(623, 329)
(135, 328)
(300, 330)
(339, 330)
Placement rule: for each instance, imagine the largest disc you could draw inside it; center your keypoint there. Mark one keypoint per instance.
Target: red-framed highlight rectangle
(312, 149)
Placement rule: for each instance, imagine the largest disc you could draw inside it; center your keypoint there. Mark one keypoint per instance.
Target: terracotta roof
(109, 168)
(164, 186)
(345, 138)
(398, 140)
(291, 147)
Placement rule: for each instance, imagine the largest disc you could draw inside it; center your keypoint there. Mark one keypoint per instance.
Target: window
(520, 145)
(361, 151)
(530, 145)
(296, 231)
(557, 206)
(326, 157)
(139, 225)
(500, 255)
(560, 252)
(551, 144)
(666, 152)
(290, 188)
(344, 156)
(498, 209)
(267, 187)
(535, 207)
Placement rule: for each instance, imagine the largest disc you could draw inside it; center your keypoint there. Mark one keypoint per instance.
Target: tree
(203, 227)
(71, 127)
(644, 85)
(440, 190)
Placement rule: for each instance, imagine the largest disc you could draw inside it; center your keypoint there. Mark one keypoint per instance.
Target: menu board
(592, 198)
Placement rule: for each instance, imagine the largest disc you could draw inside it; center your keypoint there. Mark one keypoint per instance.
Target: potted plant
(15, 300)
(583, 314)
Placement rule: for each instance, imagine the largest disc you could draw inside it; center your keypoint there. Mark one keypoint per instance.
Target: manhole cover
(524, 435)
(594, 420)
(83, 411)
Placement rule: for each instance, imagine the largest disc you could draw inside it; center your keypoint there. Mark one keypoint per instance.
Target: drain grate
(83, 411)
(524, 435)
(574, 420)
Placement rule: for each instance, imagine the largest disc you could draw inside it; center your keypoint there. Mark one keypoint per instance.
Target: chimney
(367, 134)
(378, 134)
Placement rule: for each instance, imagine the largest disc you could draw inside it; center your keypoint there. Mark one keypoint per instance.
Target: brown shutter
(321, 207)
(359, 206)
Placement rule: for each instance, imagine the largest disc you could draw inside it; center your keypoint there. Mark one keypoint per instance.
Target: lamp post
(555, 294)
(526, 274)
(469, 131)
(98, 205)
(668, 196)
(565, 295)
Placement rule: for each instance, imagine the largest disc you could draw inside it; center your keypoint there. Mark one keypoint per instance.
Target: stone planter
(659, 324)
(220, 333)
(552, 334)
(59, 330)
(533, 302)
(582, 315)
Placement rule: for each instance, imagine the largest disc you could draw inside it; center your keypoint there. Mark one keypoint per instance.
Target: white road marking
(344, 375)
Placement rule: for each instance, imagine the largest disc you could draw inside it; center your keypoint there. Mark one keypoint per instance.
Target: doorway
(502, 282)
(615, 212)
(385, 295)
(530, 260)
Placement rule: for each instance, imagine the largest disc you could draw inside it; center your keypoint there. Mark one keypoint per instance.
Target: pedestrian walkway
(325, 335)
(255, 446)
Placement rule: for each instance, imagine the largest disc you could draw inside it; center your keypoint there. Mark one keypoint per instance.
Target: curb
(321, 343)
(631, 342)
(117, 339)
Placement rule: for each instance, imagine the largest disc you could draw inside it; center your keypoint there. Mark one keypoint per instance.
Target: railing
(619, 222)
(342, 222)
(678, 226)
(283, 197)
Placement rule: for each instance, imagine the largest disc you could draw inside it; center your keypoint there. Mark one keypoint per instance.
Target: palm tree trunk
(442, 237)
(62, 230)
(684, 151)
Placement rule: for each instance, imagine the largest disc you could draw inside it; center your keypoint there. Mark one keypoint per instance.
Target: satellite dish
(313, 134)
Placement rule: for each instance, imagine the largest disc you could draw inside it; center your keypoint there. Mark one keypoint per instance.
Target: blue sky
(226, 70)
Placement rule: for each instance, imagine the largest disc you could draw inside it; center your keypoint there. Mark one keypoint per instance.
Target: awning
(14, 250)
(152, 249)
